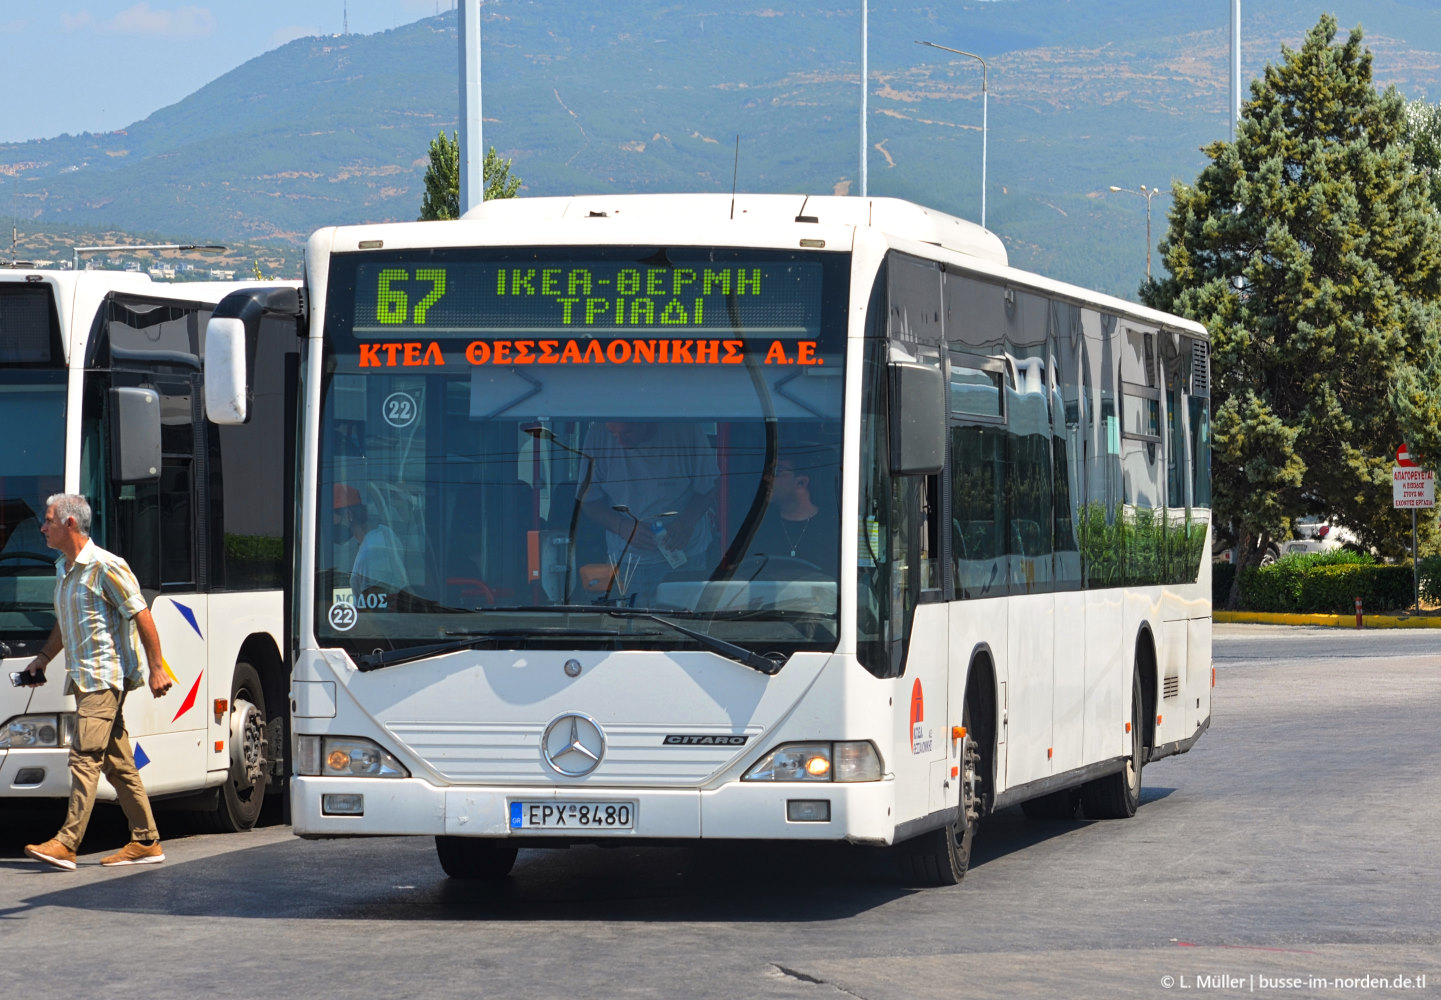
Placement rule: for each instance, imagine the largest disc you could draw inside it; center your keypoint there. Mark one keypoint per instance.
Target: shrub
(1329, 589)
(1394, 589)
(1430, 571)
(1334, 589)
(1222, 573)
(1326, 583)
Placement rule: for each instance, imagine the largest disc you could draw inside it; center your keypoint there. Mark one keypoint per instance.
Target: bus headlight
(854, 760)
(346, 757)
(24, 732)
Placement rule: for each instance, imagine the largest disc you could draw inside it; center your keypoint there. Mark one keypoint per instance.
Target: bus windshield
(32, 456)
(533, 444)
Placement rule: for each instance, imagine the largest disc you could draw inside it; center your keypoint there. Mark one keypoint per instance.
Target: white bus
(100, 394)
(996, 594)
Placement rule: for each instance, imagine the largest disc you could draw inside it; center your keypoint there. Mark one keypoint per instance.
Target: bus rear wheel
(1116, 796)
(475, 857)
(1060, 805)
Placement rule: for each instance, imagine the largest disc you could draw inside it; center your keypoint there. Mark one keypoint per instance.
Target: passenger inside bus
(378, 564)
(652, 490)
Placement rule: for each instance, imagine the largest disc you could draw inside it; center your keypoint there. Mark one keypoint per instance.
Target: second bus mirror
(230, 339)
(134, 435)
(918, 420)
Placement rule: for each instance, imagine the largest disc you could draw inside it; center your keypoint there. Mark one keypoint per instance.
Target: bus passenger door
(152, 524)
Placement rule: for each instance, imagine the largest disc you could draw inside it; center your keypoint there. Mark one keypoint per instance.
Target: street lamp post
(985, 89)
(1148, 194)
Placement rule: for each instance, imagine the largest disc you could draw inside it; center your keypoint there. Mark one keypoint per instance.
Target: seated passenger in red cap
(378, 565)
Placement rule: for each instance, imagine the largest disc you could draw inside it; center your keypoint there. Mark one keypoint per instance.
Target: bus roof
(893, 216)
(768, 219)
(132, 282)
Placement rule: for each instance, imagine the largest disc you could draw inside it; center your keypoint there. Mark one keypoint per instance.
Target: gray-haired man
(98, 612)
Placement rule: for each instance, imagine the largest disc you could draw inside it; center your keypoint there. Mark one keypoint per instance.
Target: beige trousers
(102, 747)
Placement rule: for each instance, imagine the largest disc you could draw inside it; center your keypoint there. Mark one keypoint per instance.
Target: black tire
(475, 857)
(941, 857)
(243, 794)
(1060, 805)
(1116, 796)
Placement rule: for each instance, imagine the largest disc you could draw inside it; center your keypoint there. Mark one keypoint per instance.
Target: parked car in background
(1312, 534)
(1315, 535)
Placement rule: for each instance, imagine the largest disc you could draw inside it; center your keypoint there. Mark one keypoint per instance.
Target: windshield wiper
(473, 639)
(763, 614)
(470, 639)
(729, 650)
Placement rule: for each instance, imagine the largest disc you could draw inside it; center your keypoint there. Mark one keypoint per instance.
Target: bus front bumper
(35, 774)
(860, 812)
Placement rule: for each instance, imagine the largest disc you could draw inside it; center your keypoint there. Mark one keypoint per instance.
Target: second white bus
(100, 394)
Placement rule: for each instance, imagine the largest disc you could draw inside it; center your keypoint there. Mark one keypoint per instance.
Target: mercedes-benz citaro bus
(100, 394)
(662, 518)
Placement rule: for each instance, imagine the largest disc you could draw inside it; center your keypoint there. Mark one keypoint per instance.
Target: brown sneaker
(135, 853)
(53, 853)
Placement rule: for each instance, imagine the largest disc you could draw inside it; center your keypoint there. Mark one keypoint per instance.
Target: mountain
(625, 95)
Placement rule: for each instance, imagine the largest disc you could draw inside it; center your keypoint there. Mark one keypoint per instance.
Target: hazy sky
(93, 66)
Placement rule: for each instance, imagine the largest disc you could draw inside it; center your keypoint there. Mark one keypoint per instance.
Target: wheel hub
(247, 744)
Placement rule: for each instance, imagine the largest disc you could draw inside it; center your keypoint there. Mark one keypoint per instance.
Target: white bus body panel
(1030, 624)
(175, 737)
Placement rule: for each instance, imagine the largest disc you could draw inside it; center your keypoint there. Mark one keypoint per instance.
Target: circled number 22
(392, 303)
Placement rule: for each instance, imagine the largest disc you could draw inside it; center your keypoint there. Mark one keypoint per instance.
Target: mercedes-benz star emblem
(573, 745)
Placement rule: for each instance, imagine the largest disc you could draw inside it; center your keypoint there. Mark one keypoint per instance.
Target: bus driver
(653, 489)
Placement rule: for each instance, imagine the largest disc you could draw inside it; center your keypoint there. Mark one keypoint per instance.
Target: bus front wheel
(475, 857)
(941, 857)
(243, 793)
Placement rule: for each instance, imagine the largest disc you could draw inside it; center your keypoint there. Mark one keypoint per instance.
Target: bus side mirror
(230, 341)
(918, 419)
(134, 435)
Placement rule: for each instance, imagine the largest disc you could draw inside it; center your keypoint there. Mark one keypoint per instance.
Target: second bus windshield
(531, 441)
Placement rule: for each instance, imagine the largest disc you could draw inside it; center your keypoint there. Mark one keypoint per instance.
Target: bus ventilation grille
(1200, 368)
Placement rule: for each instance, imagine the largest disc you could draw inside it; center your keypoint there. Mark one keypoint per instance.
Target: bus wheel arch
(1146, 671)
(256, 689)
(983, 725)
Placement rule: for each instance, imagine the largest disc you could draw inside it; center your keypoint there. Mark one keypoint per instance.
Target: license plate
(572, 815)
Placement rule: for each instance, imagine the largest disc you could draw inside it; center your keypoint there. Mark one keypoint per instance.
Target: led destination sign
(468, 299)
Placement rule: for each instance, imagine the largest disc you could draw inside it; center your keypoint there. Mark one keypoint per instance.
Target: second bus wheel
(243, 793)
(1116, 796)
(475, 857)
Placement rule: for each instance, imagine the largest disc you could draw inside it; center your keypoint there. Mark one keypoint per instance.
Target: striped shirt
(96, 600)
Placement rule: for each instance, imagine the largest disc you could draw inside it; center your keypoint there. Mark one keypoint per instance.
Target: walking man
(99, 610)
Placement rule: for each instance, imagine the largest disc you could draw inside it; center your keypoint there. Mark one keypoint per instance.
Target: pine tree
(1310, 249)
(442, 178)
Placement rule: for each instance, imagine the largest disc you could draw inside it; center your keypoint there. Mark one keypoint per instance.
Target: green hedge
(1431, 579)
(1222, 574)
(1326, 583)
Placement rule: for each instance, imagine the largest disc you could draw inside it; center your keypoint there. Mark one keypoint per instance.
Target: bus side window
(247, 483)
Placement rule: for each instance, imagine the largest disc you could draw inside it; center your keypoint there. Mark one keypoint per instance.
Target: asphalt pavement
(1292, 851)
